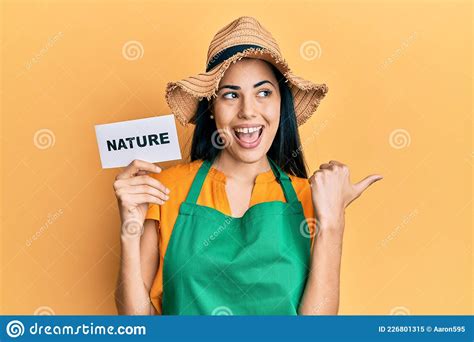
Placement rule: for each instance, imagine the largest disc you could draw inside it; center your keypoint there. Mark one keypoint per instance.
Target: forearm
(321, 294)
(131, 295)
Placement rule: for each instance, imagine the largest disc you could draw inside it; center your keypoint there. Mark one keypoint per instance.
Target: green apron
(217, 264)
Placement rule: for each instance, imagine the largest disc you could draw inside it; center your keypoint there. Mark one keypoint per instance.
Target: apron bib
(256, 264)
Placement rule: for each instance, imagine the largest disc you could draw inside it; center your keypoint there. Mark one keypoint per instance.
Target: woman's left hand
(332, 192)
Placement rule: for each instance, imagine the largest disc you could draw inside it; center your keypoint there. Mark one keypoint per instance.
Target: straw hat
(243, 37)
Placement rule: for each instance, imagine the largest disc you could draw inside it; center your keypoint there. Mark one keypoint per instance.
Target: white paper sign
(152, 139)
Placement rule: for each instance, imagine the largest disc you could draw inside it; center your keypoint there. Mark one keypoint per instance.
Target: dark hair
(286, 147)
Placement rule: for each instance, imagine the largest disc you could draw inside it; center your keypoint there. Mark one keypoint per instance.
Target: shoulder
(299, 182)
(302, 189)
(178, 178)
(179, 171)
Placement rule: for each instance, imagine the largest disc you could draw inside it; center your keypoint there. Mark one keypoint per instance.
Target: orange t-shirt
(213, 194)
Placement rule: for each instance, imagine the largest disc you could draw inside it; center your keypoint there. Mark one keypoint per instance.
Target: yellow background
(389, 66)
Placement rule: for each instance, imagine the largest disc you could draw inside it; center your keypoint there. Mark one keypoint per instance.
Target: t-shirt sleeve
(154, 210)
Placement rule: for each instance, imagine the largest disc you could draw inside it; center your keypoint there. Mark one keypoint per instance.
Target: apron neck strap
(198, 181)
(284, 181)
(280, 176)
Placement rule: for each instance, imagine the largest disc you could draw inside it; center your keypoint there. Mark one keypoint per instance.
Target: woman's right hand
(134, 190)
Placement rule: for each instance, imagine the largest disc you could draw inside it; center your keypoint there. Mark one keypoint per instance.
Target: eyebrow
(234, 87)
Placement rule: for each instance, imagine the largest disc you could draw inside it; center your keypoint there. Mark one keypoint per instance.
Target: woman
(234, 230)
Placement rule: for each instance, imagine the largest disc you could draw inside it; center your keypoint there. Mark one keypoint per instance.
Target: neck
(239, 171)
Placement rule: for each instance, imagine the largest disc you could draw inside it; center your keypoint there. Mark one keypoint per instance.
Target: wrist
(129, 239)
(132, 228)
(330, 236)
(333, 226)
(327, 247)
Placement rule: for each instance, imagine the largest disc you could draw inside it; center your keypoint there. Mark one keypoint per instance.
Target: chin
(249, 157)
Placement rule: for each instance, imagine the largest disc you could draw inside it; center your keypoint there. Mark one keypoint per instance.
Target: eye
(230, 95)
(265, 92)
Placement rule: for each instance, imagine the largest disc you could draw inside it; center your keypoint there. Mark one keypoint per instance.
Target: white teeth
(248, 129)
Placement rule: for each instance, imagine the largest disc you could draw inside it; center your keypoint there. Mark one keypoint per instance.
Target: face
(247, 109)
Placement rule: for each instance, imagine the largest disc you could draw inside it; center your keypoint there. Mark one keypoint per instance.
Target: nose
(247, 108)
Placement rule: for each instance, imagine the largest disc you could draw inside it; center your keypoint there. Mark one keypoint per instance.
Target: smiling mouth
(248, 137)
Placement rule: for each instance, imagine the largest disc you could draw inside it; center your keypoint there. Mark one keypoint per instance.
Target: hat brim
(184, 95)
